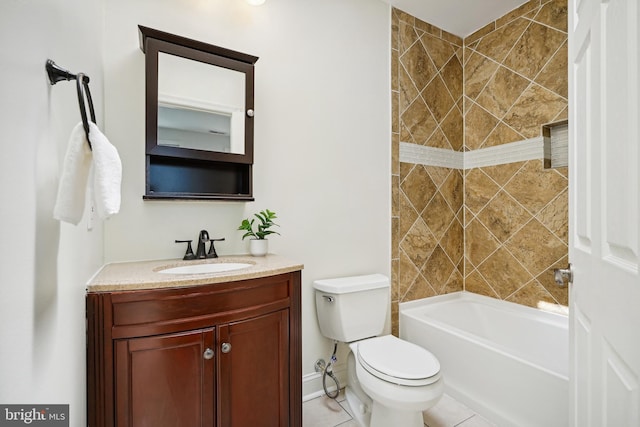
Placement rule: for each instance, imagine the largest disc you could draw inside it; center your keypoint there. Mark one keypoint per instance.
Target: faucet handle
(188, 255)
(212, 250)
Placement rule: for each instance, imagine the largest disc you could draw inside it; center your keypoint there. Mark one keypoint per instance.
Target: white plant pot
(258, 247)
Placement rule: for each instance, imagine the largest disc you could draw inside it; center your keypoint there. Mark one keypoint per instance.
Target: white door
(604, 186)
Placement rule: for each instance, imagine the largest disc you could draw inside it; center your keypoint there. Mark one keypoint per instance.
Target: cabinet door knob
(226, 347)
(208, 354)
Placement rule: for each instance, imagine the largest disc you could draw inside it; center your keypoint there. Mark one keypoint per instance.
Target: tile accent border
(430, 156)
(527, 149)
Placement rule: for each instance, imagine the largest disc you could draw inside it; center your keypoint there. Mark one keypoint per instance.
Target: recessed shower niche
(199, 119)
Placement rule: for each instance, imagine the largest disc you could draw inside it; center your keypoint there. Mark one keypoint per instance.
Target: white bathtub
(507, 362)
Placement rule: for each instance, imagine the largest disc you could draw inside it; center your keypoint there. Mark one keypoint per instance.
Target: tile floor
(325, 412)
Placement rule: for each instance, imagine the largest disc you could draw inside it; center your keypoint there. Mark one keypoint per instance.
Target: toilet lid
(398, 361)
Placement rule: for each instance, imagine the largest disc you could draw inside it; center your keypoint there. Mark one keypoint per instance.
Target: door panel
(604, 208)
(165, 380)
(254, 373)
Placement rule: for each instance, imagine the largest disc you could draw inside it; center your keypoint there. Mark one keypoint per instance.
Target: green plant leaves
(266, 218)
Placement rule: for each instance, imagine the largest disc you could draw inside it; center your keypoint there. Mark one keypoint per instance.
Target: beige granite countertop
(125, 276)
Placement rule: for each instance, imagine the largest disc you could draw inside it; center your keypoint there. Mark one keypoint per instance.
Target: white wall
(43, 265)
(322, 132)
(322, 160)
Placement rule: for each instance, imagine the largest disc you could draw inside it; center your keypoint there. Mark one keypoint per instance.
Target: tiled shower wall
(497, 229)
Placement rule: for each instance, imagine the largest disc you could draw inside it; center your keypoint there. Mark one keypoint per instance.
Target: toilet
(390, 381)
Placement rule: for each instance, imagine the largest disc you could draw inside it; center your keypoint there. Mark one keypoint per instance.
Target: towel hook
(57, 74)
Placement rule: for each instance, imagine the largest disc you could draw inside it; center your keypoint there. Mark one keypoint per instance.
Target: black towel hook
(57, 74)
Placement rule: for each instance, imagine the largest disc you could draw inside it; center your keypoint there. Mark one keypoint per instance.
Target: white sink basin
(219, 267)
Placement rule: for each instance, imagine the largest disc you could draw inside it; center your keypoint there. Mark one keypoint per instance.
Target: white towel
(69, 205)
(107, 174)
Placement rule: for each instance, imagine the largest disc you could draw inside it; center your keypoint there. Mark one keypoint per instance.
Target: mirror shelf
(199, 119)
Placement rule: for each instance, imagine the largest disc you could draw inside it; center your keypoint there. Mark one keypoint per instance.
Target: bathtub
(507, 362)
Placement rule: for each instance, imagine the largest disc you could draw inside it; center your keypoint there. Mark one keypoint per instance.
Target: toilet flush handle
(328, 298)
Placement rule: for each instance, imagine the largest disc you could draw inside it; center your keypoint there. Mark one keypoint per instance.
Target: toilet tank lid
(345, 285)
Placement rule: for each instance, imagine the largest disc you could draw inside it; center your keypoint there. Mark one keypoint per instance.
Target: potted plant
(259, 245)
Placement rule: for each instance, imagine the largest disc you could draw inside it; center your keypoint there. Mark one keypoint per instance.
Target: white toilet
(390, 381)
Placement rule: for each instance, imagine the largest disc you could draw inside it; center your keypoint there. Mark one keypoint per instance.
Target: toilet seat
(397, 361)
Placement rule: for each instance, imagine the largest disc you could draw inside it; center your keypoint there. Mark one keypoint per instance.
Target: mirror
(199, 118)
(205, 111)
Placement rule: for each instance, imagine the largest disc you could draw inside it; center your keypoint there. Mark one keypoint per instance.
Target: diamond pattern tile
(418, 65)
(504, 273)
(533, 187)
(503, 216)
(418, 188)
(493, 230)
(438, 215)
(536, 247)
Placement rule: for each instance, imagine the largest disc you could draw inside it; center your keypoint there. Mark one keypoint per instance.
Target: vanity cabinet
(223, 354)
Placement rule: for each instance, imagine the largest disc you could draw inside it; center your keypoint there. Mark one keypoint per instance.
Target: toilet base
(382, 416)
(360, 408)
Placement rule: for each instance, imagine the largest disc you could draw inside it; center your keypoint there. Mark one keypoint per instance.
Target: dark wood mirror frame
(184, 173)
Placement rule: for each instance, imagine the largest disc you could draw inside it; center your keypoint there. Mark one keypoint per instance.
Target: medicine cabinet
(199, 119)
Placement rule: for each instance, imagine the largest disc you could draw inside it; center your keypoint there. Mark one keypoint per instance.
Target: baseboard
(312, 383)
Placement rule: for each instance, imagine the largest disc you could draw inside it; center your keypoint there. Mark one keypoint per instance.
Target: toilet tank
(352, 308)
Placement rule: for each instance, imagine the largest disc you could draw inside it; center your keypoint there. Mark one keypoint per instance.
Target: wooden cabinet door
(253, 362)
(166, 380)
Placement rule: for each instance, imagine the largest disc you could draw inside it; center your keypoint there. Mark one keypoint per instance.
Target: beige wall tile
(418, 243)
(502, 173)
(478, 124)
(419, 66)
(555, 216)
(534, 108)
(437, 79)
(496, 45)
(407, 89)
(479, 243)
(440, 51)
(503, 216)
(453, 129)
(418, 188)
(407, 273)
(478, 69)
(452, 243)
(480, 33)
(451, 38)
(438, 215)
(554, 75)
(536, 247)
(452, 190)
(504, 273)
(504, 88)
(478, 190)
(438, 98)
(438, 269)
(531, 295)
(438, 140)
(529, 55)
(533, 186)
(501, 134)
(452, 75)
(408, 215)
(420, 288)
(419, 122)
(474, 282)
(553, 14)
